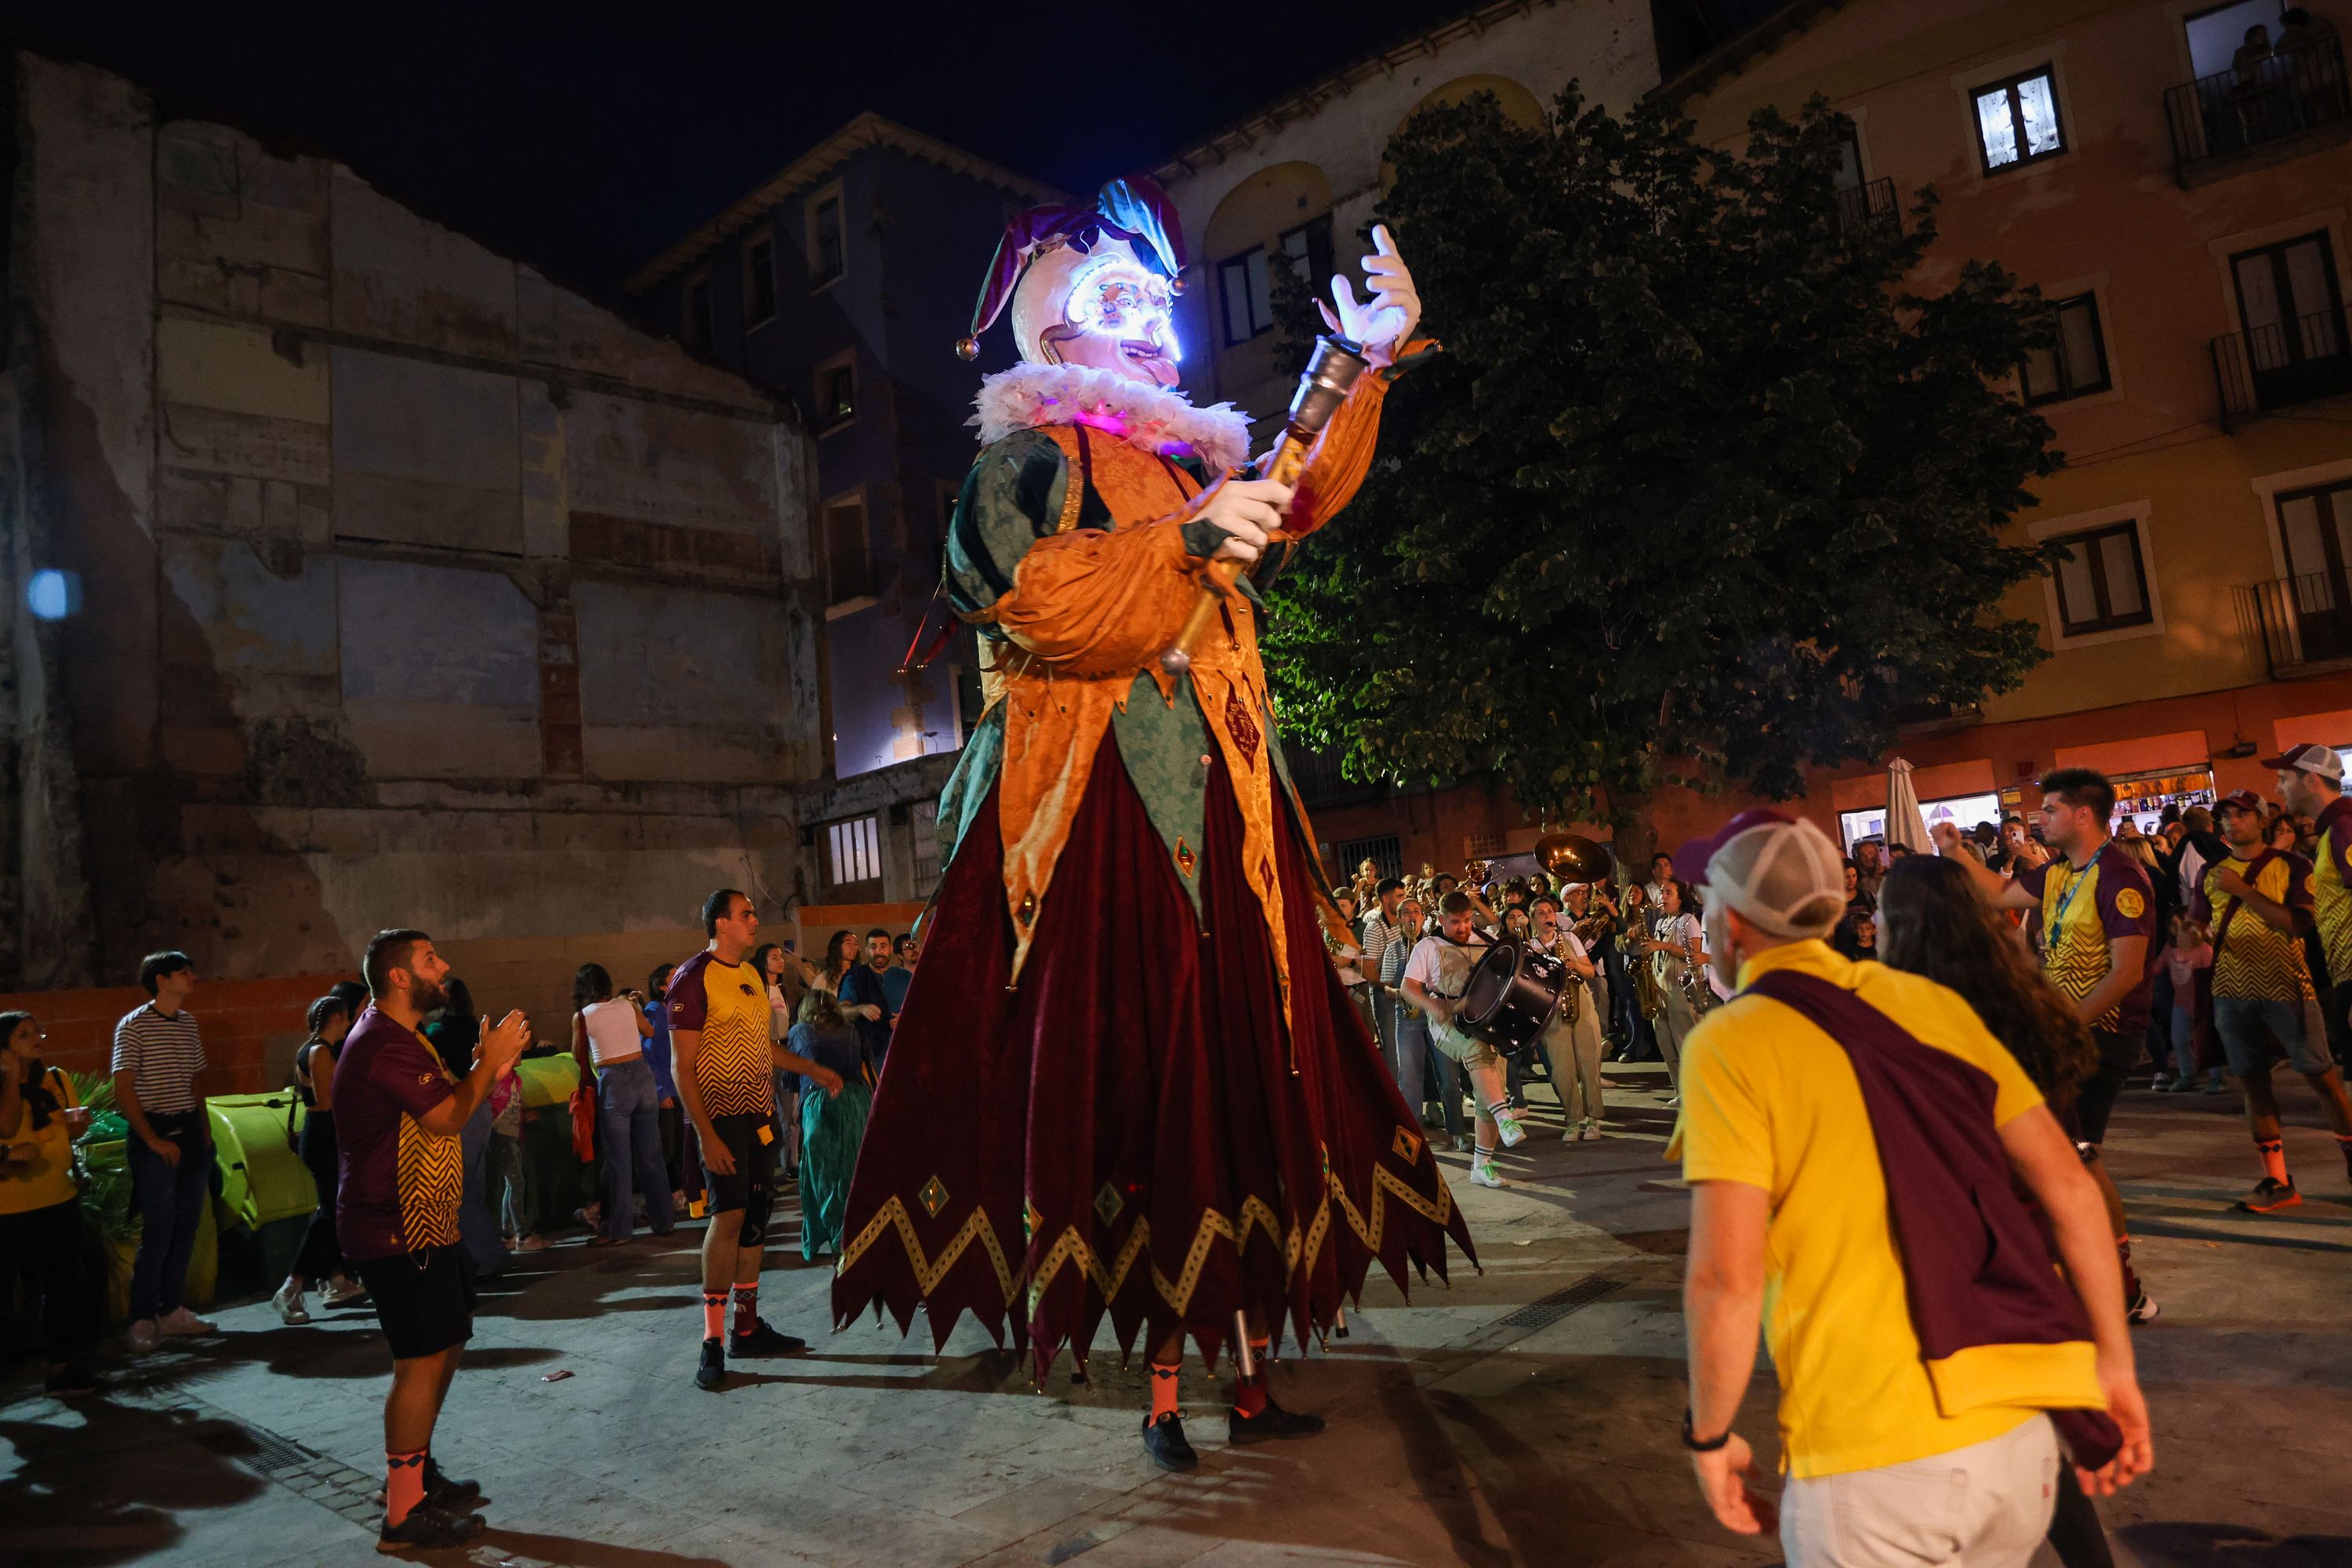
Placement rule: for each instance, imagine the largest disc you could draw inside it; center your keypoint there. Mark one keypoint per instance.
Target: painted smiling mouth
(1138, 349)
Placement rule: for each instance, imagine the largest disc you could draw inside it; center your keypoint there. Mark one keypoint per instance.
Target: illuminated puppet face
(1118, 316)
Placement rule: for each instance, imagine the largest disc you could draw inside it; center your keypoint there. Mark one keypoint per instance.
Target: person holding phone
(399, 1112)
(40, 1209)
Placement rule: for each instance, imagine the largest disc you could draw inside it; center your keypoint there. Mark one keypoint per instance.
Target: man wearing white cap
(1825, 1103)
(2311, 784)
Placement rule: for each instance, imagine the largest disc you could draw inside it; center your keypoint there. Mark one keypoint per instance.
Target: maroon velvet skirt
(1131, 1131)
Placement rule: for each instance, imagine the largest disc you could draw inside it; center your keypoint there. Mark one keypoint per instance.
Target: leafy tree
(1705, 487)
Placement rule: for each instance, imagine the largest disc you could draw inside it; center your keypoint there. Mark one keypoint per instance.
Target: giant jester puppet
(1127, 1080)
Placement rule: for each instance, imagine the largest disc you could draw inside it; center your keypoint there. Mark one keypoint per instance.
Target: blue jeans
(171, 1203)
(628, 1112)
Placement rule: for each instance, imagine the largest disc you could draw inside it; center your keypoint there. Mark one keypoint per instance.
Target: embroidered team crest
(2130, 905)
(424, 1079)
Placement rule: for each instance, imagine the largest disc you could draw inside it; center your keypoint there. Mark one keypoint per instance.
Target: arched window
(1278, 217)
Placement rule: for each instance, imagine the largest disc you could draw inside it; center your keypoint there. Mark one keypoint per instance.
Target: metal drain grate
(1560, 1303)
(262, 1452)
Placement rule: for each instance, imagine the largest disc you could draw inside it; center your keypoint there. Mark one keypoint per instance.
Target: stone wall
(415, 588)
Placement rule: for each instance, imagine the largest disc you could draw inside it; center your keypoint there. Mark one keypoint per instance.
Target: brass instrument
(1572, 857)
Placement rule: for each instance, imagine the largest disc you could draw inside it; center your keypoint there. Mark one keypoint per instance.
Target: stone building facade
(351, 575)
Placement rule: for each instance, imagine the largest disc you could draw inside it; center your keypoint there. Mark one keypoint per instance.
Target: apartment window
(1386, 853)
(923, 821)
(1243, 289)
(856, 851)
(1307, 249)
(2076, 364)
(760, 280)
(698, 313)
(2102, 581)
(2017, 119)
(836, 392)
(827, 258)
(849, 564)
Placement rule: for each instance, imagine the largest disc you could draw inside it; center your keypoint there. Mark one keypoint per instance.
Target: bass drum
(1511, 996)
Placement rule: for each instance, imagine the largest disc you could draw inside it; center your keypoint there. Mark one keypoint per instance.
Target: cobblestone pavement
(1525, 1414)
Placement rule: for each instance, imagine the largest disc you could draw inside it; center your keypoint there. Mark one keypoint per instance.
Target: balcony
(2287, 104)
(1873, 203)
(2284, 364)
(2304, 623)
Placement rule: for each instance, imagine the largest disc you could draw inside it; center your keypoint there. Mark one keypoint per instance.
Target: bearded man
(1127, 1081)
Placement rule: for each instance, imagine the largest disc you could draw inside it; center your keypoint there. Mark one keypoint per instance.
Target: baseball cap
(2240, 800)
(1784, 876)
(2310, 757)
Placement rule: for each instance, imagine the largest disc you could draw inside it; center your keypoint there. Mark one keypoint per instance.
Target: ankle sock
(714, 1314)
(1249, 1393)
(747, 1307)
(404, 1484)
(2274, 1153)
(1500, 1108)
(1163, 1389)
(1480, 1153)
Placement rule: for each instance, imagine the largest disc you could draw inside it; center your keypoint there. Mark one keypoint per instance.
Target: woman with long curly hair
(1932, 922)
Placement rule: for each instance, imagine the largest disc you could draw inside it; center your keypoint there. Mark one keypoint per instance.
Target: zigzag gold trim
(930, 1271)
(1072, 1247)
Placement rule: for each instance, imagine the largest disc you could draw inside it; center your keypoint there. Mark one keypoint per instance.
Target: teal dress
(831, 1127)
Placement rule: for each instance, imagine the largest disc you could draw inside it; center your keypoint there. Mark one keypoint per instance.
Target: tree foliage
(1706, 484)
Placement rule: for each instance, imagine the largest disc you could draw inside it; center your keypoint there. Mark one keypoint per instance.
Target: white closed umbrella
(1905, 825)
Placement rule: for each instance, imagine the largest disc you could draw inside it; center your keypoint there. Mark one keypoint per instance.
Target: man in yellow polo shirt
(1887, 1461)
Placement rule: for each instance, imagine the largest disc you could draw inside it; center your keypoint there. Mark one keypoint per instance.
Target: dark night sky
(587, 144)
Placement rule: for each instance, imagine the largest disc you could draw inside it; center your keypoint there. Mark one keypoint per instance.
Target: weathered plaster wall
(416, 589)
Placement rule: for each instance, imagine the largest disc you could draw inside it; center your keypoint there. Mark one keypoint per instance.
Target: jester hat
(1043, 247)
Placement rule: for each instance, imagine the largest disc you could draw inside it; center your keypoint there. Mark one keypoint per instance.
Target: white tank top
(612, 1031)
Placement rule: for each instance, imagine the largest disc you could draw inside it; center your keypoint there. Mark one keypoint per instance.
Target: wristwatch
(1691, 1440)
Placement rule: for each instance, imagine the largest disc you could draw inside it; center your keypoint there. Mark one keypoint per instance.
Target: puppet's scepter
(1332, 371)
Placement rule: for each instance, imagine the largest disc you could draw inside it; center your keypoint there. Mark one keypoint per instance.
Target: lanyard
(2066, 899)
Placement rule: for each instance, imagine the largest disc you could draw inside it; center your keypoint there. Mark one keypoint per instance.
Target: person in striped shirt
(158, 1052)
(2255, 904)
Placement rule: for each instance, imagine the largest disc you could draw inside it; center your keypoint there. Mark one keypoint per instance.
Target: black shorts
(2339, 1021)
(425, 1300)
(2118, 1052)
(751, 1186)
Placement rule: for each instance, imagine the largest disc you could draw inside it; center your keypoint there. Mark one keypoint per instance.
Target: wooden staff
(1332, 371)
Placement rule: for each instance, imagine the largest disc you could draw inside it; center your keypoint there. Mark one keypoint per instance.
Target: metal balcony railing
(2285, 363)
(2234, 113)
(1872, 203)
(2301, 621)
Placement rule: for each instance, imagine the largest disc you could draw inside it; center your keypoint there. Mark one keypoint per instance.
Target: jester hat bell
(1043, 246)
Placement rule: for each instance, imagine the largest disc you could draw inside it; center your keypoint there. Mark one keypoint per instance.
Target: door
(2293, 316)
(2315, 526)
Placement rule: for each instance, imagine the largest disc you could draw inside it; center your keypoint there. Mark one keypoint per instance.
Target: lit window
(2102, 581)
(856, 851)
(2017, 119)
(1243, 284)
(827, 259)
(2075, 364)
(836, 393)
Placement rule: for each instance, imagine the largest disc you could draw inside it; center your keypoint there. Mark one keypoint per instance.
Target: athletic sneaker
(2269, 1196)
(1507, 1121)
(1273, 1421)
(288, 1302)
(712, 1371)
(2141, 1309)
(2217, 1086)
(144, 1334)
(343, 1293)
(1165, 1441)
(1592, 1129)
(760, 1340)
(1484, 1173)
(427, 1528)
(180, 1320)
